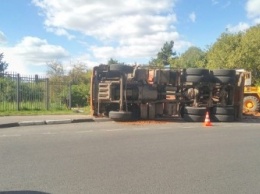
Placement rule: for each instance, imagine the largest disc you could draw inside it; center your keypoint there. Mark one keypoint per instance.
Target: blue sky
(34, 33)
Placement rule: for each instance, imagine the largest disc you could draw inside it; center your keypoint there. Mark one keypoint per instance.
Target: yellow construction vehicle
(251, 94)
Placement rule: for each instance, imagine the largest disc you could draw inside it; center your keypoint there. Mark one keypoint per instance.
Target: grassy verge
(83, 111)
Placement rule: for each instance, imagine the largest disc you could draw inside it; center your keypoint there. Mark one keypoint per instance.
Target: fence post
(70, 95)
(18, 92)
(47, 93)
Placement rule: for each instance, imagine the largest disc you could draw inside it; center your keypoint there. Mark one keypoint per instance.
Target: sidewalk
(15, 121)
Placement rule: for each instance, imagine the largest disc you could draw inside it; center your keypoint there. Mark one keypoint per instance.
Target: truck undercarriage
(125, 93)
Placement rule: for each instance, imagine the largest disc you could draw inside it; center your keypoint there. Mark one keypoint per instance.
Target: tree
(80, 78)
(3, 64)
(55, 71)
(78, 74)
(193, 57)
(225, 53)
(112, 61)
(164, 56)
(249, 55)
(239, 50)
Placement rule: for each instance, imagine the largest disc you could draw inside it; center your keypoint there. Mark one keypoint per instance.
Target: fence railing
(19, 92)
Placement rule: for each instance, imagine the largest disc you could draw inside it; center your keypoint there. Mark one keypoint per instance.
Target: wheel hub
(249, 104)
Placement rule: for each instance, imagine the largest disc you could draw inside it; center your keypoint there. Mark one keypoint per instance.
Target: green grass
(76, 111)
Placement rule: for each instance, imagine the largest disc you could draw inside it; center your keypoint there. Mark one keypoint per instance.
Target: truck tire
(224, 72)
(222, 114)
(223, 118)
(121, 68)
(197, 71)
(193, 118)
(251, 103)
(197, 78)
(195, 111)
(224, 79)
(223, 110)
(120, 115)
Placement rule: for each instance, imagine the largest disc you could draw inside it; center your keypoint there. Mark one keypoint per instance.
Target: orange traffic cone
(207, 120)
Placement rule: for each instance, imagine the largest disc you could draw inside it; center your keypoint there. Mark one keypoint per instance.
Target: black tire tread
(223, 110)
(197, 78)
(222, 118)
(121, 68)
(120, 115)
(224, 79)
(195, 110)
(197, 71)
(224, 72)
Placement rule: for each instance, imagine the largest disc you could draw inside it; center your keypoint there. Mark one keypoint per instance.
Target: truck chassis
(126, 93)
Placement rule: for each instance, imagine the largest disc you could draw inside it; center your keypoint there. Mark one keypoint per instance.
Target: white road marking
(49, 133)
(111, 130)
(85, 131)
(189, 127)
(138, 129)
(14, 135)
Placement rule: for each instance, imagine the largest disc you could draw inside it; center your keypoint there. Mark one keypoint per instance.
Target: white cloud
(30, 53)
(2, 38)
(227, 4)
(253, 10)
(192, 17)
(125, 29)
(238, 28)
(214, 2)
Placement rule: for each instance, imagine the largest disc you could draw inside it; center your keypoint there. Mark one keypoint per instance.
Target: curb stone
(52, 122)
(64, 121)
(28, 123)
(7, 125)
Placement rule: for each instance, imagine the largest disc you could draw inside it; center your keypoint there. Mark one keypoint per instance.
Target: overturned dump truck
(126, 93)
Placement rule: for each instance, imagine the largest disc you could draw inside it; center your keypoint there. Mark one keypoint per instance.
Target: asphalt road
(129, 158)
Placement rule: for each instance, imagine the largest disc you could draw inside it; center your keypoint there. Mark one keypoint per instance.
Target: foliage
(55, 71)
(8, 89)
(164, 56)
(112, 61)
(250, 52)
(3, 64)
(240, 50)
(78, 74)
(80, 78)
(225, 52)
(80, 95)
(193, 57)
(31, 92)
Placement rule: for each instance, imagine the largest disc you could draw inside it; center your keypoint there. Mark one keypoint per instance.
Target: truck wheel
(197, 78)
(120, 115)
(121, 68)
(193, 118)
(224, 79)
(223, 110)
(251, 103)
(223, 118)
(223, 114)
(224, 72)
(197, 71)
(195, 110)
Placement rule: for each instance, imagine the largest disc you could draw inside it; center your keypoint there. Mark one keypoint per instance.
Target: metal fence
(19, 92)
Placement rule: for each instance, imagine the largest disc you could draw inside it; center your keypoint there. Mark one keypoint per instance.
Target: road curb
(7, 125)
(28, 123)
(52, 122)
(82, 120)
(101, 119)
(63, 121)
